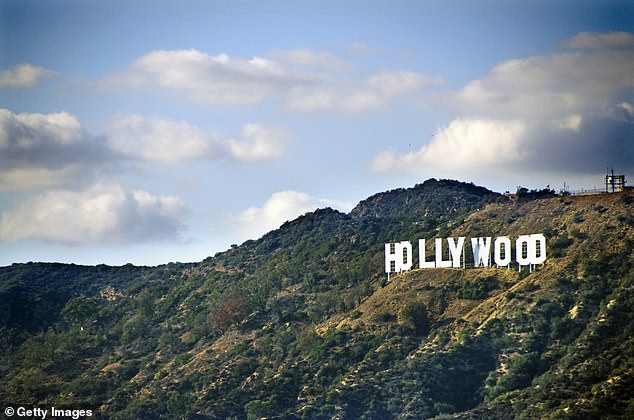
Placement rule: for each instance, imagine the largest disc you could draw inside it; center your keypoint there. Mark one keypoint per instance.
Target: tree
(230, 312)
(414, 315)
(257, 409)
(80, 310)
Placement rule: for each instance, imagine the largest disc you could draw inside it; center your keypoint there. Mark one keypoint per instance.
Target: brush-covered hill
(301, 323)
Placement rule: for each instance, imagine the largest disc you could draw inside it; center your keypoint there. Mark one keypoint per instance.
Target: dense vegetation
(301, 323)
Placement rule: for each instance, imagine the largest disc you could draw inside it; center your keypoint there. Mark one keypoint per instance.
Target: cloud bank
(210, 80)
(100, 214)
(49, 150)
(301, 80)
(566, 112)
(55, 153)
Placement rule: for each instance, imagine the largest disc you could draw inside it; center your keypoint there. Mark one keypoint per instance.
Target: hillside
(301, 323)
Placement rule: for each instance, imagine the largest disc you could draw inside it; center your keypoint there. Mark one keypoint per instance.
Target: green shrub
(478, 288)
(414, 315)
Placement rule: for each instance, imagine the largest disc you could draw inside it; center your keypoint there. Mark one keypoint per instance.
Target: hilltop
(302, 323)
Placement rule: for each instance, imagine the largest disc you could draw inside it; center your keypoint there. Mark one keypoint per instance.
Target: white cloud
(45, 149)
(464, 143)
(99, 214)
(54, 150)
(565, 112)
(601, 40)
(29, 131)
(302, 79)
(210, 80)
(552, 86)
(472, 147)
(259, 143)
(352, 97)
(24, 75)
(281, 207)
(162, 140)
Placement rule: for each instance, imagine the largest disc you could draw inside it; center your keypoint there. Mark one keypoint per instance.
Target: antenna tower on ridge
(614, 183)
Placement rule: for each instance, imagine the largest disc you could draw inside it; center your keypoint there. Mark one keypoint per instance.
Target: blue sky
(152, 131)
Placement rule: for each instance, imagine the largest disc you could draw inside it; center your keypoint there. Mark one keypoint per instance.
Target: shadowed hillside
(301, 323)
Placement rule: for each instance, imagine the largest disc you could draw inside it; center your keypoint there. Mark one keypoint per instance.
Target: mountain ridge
(302, 322)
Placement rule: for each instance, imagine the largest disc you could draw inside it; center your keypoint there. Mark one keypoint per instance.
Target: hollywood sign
(529, 250)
